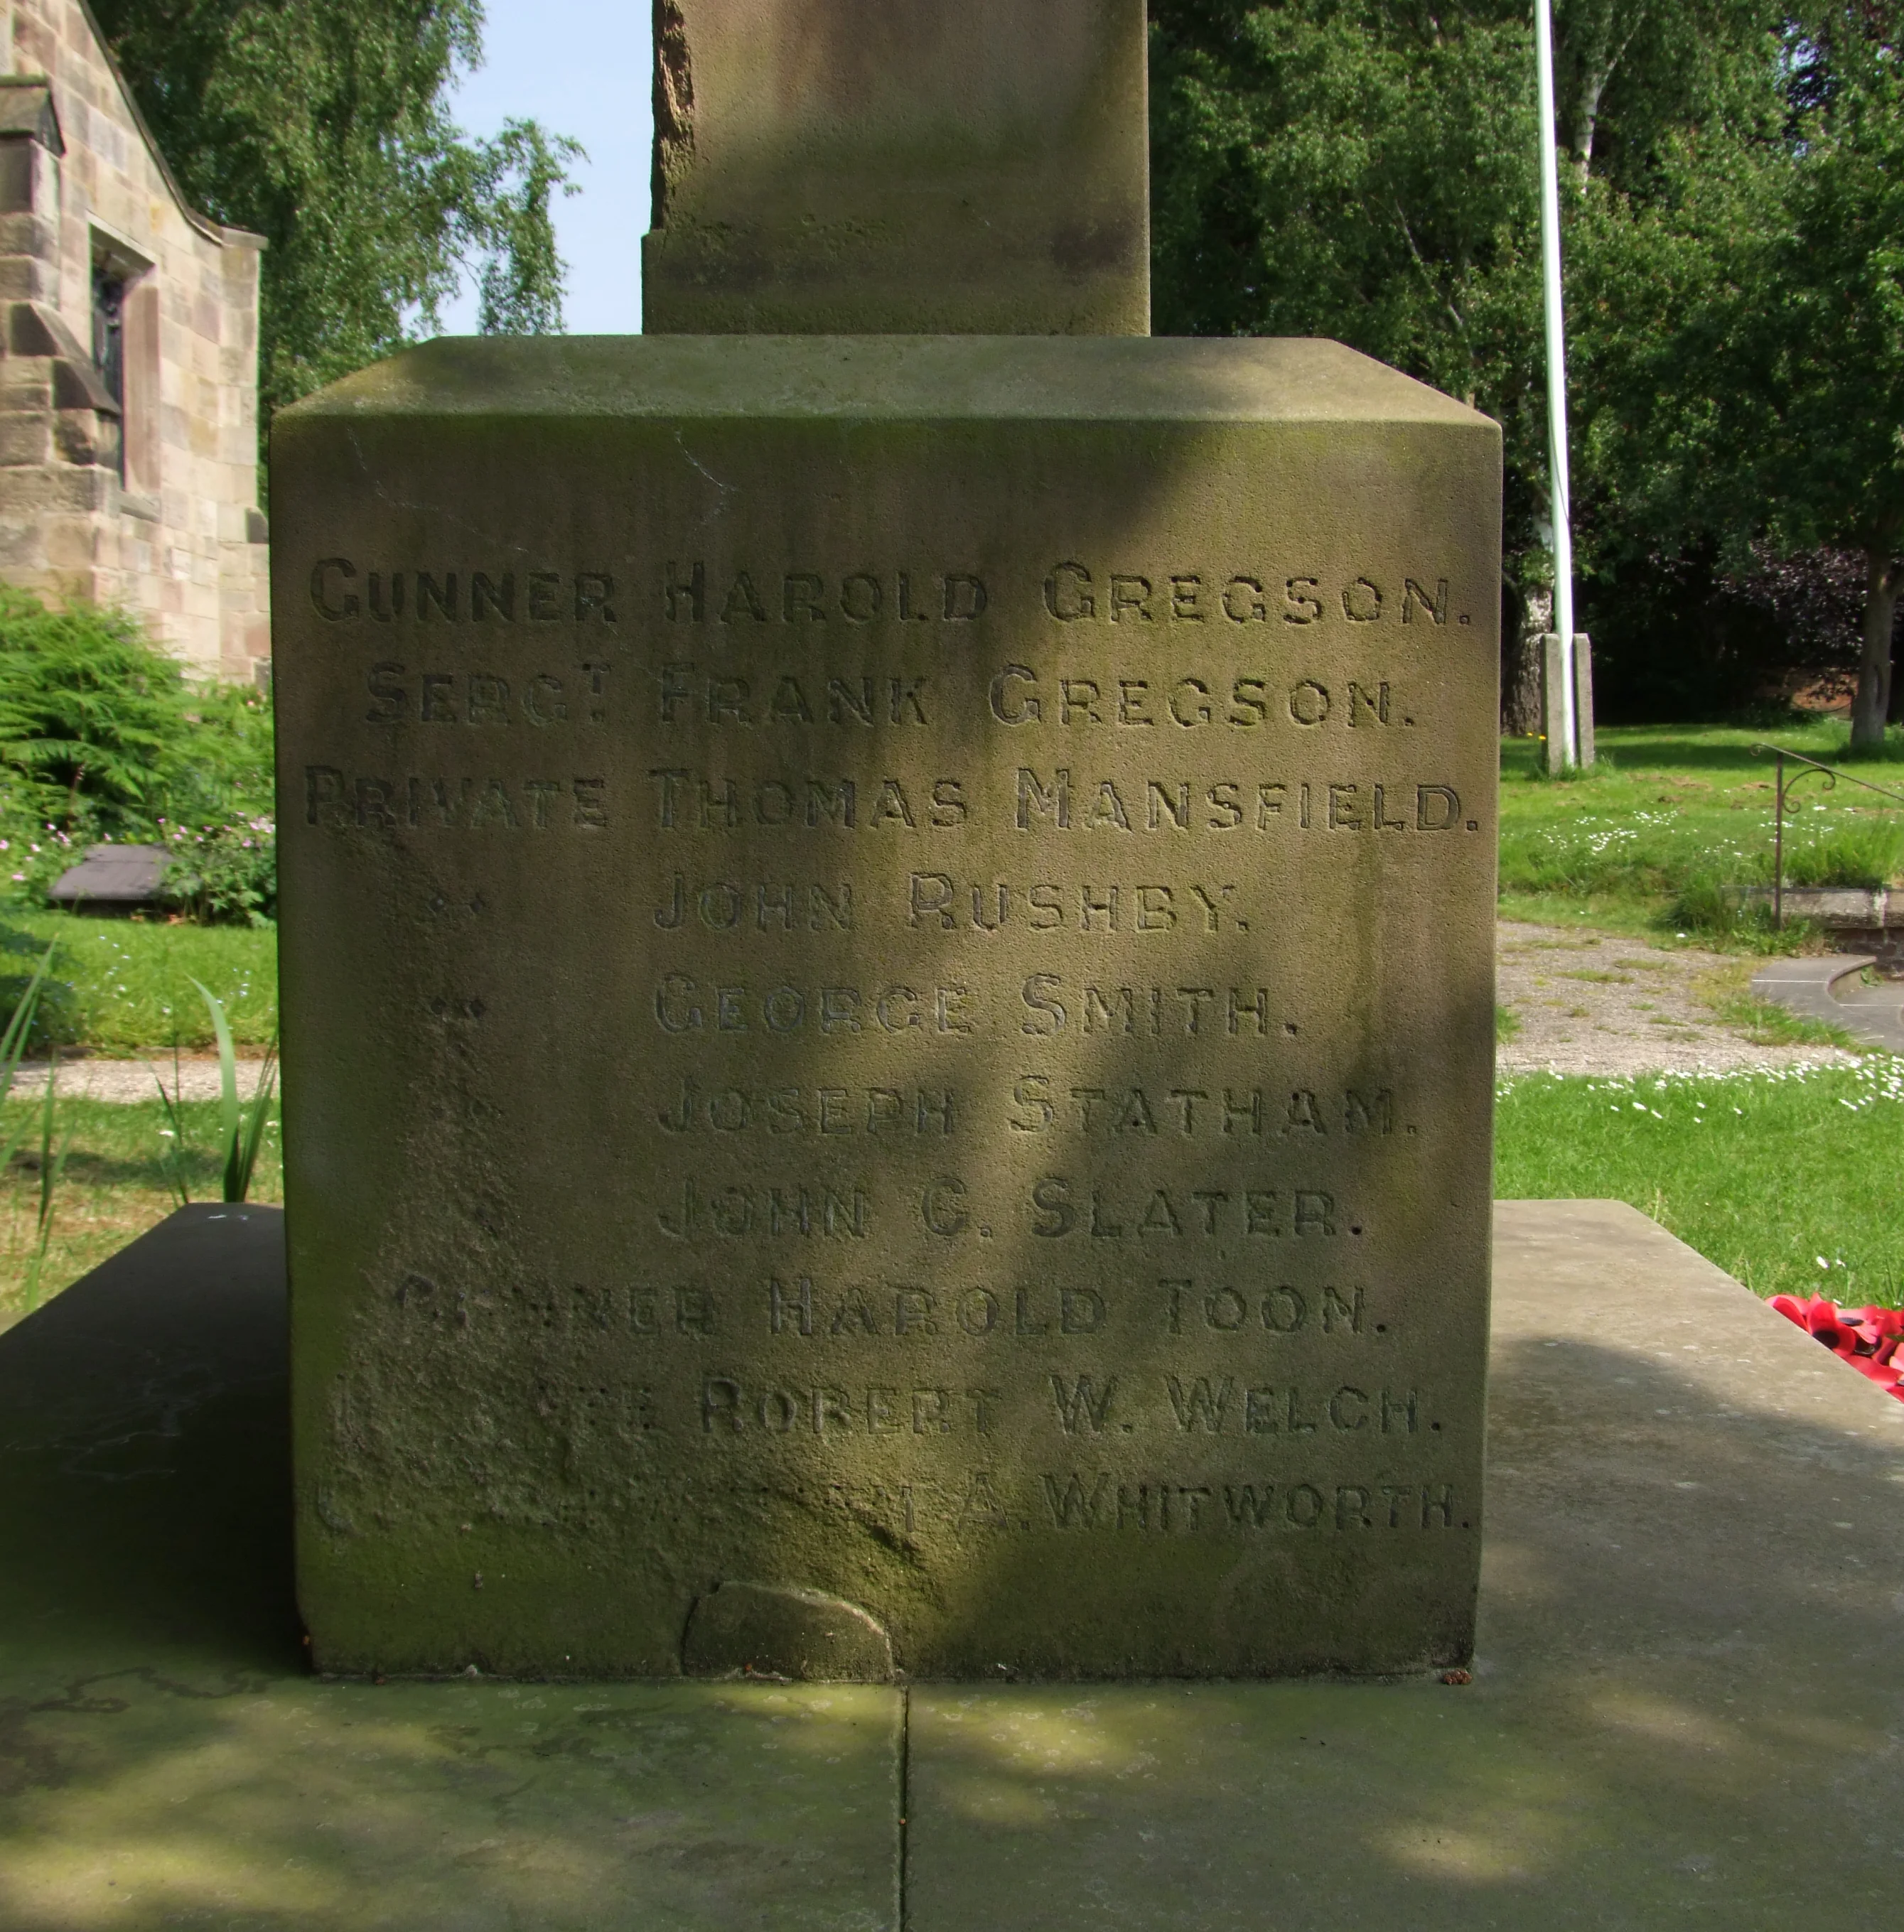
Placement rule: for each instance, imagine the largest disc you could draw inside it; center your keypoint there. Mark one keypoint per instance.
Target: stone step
(1829, 989)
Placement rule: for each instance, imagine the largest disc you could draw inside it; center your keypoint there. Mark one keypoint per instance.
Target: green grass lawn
(1792, 1181)
(114, 1186)
(123, 986)
(1639, 843)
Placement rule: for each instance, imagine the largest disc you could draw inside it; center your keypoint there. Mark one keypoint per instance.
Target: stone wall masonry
(157, 512)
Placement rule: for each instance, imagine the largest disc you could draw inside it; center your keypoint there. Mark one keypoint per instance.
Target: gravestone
(887, 975)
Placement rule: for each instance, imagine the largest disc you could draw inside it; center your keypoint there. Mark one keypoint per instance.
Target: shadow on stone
(1692, 1587)
(759, 1630)
(145, 1454)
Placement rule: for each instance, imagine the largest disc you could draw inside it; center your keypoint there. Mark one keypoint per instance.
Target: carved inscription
(687, 800)
(337, 800)
(342, 594)
(688, 695)
(951, 904)
(1052, 800)
(1021, 695)
(826, 1111)
(576, 694)
(1225, 1350)
(1074, 593)
(1097, 1500)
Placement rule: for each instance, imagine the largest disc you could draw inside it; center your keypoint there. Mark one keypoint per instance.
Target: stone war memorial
(888, 904)
(888, 932)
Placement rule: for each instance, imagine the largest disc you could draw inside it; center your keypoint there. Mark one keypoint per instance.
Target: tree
(1363, 171)
(1751, 320)
(1834, 462)
(1346, 168)
(323, 128)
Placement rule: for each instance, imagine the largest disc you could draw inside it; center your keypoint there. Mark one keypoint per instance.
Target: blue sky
(580, 67)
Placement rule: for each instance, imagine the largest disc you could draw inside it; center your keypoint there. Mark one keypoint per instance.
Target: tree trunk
(1580, 117)
(1894, 711)
(1586, 121)
(1884, 577)
(1527, 619)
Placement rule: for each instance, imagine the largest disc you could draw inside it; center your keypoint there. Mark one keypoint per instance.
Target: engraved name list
(889, 1077)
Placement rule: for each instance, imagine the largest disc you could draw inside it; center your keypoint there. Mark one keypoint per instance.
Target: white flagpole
(1561, 509)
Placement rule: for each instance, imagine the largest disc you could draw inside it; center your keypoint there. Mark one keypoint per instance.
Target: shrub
(1710, 903)
(33, 853)
(91, 716)
(102, 739)
(226, 778)
(224, 874)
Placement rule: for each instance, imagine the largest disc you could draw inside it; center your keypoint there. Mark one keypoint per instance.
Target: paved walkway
(1833, 989)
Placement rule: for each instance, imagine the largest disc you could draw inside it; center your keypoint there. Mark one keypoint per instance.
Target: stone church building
(128, 360)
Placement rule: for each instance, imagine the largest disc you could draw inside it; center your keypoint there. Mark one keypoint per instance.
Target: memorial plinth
(887, 970)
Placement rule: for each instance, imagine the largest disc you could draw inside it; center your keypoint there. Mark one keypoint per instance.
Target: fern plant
(92, 717)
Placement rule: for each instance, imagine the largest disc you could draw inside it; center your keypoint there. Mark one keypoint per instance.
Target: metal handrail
(1832, 775)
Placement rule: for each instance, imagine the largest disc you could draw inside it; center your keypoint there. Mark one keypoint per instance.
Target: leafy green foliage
(241, 1124)
(1368, 171)
(90, 714)
(49, 1166)
(224, 874)
(102, 738)
(322, 128)
(1364, 172)
(1744, 329)
(1860, 852)
(13, 1048)
(225, 770)
(1735, 277)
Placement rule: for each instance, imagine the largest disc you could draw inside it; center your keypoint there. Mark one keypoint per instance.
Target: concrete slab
(165, 1760)
(1827, 989)
(1685, 1709)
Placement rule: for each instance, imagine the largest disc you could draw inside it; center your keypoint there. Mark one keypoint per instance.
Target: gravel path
(132, 1079)
(1601, 1003)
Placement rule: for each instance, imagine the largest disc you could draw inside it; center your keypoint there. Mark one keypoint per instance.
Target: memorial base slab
(1682, 1708)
